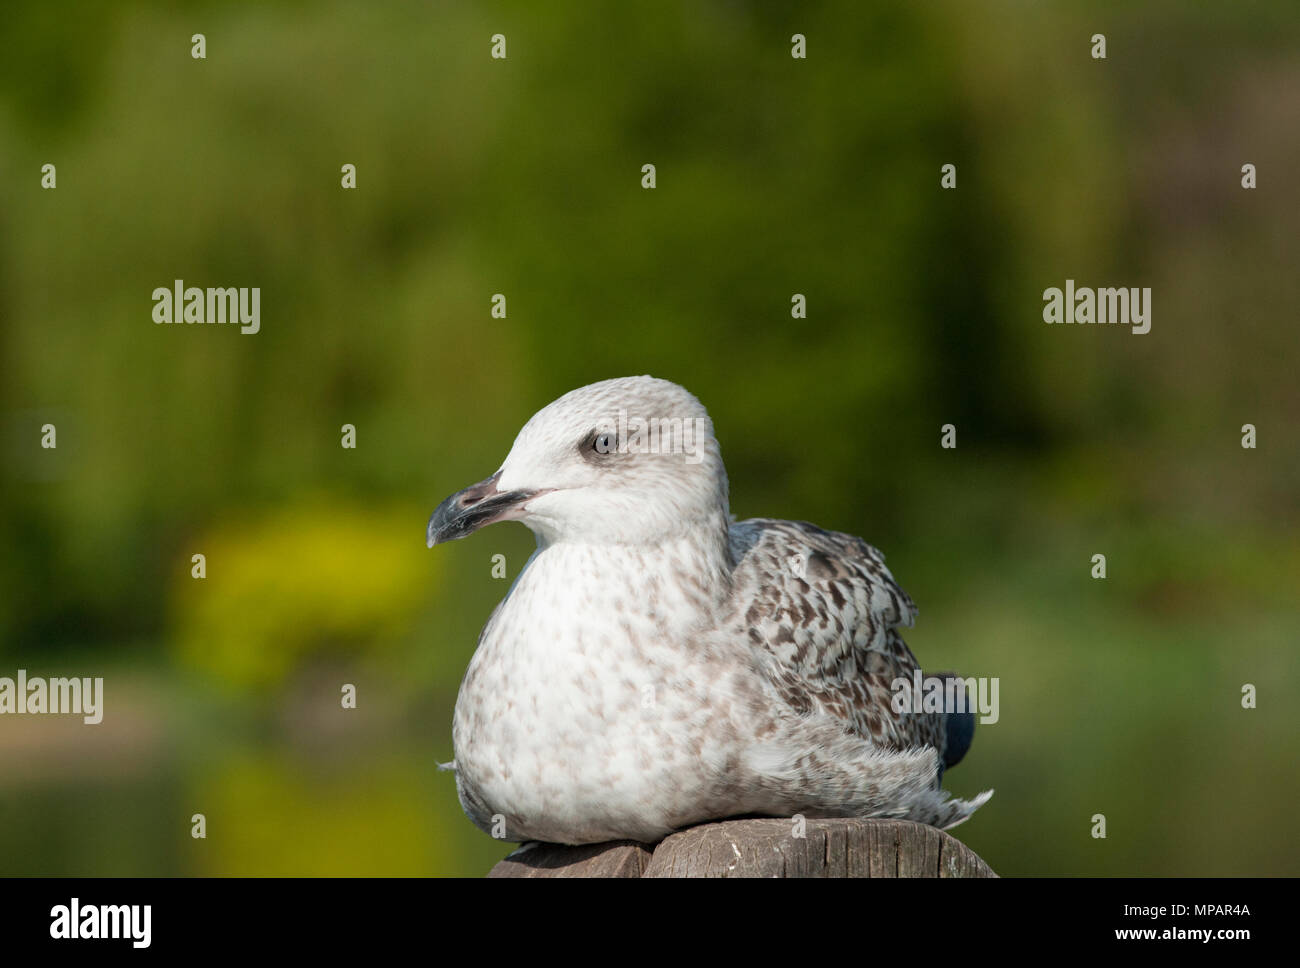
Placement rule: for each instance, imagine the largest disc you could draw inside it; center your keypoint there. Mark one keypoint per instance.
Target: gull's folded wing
(822, 613)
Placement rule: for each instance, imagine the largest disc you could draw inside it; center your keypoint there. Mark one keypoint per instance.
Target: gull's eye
(598, 446)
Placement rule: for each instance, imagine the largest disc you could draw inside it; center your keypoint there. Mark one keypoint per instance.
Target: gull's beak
(478, 505)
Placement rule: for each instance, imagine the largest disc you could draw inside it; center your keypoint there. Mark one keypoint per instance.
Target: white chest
(582, 715)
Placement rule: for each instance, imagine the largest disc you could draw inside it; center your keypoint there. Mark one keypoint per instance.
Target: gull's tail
(948, 812)
(858, 780)
(904, 788)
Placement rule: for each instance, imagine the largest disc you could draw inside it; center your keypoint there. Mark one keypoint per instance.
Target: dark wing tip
(961, 731)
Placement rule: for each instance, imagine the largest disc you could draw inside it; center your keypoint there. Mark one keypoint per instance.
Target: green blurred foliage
(315, 580)
(271, 816)
(522, 177)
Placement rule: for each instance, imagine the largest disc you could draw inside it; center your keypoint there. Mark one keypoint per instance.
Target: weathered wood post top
(762, 848)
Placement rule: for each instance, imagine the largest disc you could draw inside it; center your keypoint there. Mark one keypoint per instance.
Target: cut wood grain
(619, 858)
(762, 848)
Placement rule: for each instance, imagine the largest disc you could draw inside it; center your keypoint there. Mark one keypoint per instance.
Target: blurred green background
(522, 176)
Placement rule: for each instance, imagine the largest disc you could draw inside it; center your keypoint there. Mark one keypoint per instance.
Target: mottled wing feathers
(821, 611)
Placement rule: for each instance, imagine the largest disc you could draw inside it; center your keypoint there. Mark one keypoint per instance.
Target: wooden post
(762, 848)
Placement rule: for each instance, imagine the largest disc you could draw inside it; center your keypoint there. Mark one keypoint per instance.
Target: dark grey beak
(478, 505)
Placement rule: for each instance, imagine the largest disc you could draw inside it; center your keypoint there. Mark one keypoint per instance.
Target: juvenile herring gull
(658, 664)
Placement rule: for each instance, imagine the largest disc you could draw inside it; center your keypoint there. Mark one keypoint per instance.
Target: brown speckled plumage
(823, 613)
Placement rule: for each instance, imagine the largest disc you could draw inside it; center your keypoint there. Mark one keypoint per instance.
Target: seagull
(657, 664)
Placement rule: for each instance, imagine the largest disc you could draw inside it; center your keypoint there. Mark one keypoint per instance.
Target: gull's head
(626, 461)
